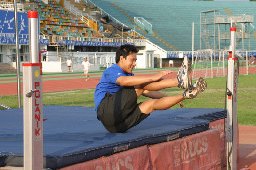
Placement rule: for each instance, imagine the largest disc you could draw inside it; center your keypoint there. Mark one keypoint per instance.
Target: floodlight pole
(232, 81)
(17, 53)
(33, 101)
(193, 35)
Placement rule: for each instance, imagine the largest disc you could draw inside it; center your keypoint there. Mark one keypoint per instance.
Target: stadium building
(163, 31)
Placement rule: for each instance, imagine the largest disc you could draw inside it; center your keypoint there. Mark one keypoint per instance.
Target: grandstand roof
(172, 20)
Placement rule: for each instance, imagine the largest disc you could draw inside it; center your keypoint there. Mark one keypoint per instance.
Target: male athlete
(118, 90)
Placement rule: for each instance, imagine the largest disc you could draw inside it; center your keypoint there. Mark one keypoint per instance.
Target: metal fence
(213, 63)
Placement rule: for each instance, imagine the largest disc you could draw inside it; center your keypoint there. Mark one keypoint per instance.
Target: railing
(207, 32)
(110, 16)
(20, 7)
(33, 6)
(215, 53)
(10, 6)
(213, 63)
(234, 19)
(239, 35)
(43, 36)
(102, 11)
(143, 23)
(54, 39)
(82, 16)
(208, 20)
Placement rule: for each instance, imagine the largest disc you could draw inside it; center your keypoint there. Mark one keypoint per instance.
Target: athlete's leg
(160, 104)
(183, 80)
(86, 74)
(166, 102)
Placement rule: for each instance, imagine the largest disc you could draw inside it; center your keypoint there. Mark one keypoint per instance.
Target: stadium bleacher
(58, 21)
(172, 20)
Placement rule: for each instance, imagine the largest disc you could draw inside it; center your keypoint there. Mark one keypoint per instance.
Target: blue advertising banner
(7, 28)
(7, 24)
(7, 32)
(9, 38)
(44, 41)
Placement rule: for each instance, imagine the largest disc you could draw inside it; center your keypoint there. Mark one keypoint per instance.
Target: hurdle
(232, 80)
(32, 101)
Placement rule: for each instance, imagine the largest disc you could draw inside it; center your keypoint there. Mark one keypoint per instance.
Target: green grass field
(213, 97)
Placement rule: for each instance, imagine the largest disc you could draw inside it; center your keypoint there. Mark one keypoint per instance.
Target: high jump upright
(232, 80)
(33, 101)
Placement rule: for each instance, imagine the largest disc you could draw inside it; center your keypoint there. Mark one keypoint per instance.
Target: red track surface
(7, 89)
(247, 147)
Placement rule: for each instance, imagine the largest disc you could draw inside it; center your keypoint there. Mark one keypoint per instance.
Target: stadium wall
(145, 59)
(158, 51)
(56, 61)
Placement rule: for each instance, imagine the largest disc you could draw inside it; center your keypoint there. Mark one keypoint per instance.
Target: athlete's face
(129, 63)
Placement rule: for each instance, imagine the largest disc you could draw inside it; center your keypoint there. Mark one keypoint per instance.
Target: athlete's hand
(161, 74)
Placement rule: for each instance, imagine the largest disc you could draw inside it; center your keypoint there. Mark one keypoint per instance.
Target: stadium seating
(172, 20)
(58, 21)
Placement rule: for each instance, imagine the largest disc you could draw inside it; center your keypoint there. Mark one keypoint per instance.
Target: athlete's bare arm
(138, 80)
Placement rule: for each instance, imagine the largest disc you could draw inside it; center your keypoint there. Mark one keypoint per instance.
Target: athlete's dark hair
(125, 50)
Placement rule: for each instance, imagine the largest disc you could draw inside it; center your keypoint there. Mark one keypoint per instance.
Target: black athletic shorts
(119, 112)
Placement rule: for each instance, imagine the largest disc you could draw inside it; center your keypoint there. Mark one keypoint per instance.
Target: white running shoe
(183, 75)
(198, 87)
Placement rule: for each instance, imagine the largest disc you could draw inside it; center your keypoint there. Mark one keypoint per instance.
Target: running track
(62, 83)
(77, 82)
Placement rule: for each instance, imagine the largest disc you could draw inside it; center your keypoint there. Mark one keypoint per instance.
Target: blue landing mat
(73, 134)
